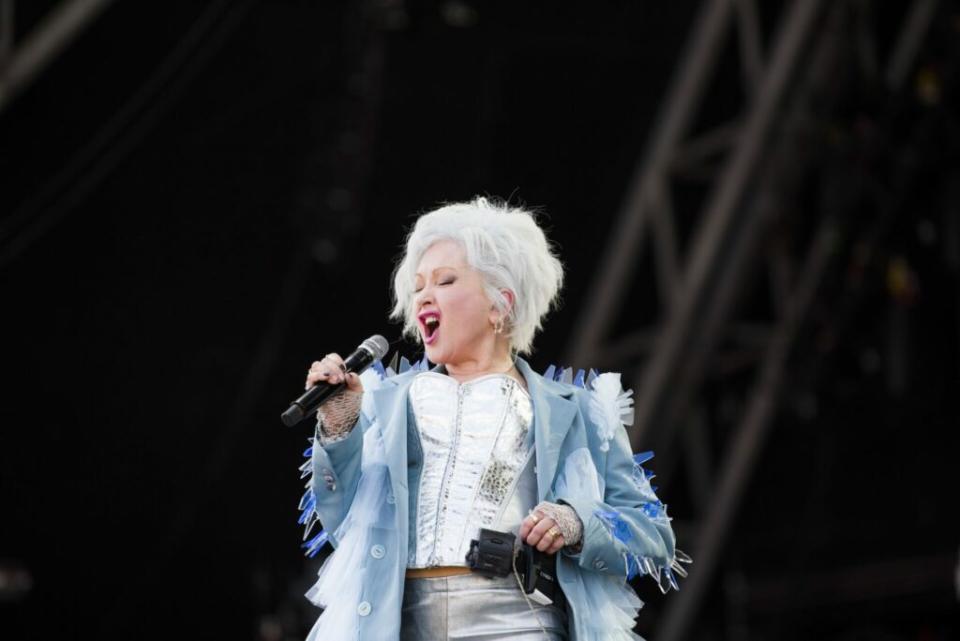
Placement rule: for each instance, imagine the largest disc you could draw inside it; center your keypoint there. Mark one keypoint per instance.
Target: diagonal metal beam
(64, 23)
(700, 56)
(908, 43)
(665, 250)
(787, 155)
(120, 134)
(719, 215)
(748, 440)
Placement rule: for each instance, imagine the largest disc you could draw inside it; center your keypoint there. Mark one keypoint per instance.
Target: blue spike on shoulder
(591, 377)
(550, 372)
(578, 380)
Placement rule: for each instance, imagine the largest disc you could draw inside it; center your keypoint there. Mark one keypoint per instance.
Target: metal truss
(21, 63)
(741, 234)
(107, 147)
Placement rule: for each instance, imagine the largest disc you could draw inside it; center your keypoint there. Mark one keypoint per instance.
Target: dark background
(198, 199)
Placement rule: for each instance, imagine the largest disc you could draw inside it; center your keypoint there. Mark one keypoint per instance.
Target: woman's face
(453, 313)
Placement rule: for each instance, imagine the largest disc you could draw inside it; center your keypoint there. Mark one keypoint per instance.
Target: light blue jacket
(622, 534)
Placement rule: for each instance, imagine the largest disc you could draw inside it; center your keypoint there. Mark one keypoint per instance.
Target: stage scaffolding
(750, 231)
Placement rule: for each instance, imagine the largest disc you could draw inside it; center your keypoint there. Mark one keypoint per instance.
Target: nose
(421, 298)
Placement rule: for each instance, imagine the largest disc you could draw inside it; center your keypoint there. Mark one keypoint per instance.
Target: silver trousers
(471, 607)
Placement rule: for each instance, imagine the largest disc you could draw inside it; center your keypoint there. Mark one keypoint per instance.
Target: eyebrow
(437, 269)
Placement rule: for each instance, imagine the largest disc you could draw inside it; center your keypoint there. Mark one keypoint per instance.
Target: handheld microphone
(372, 349)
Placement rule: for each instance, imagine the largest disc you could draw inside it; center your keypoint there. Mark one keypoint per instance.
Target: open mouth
(430, 324)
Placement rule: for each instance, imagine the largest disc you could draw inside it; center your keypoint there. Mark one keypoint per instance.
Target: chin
(433, 354)
(438, 355)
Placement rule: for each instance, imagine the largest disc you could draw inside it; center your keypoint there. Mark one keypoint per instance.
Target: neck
(497, 361)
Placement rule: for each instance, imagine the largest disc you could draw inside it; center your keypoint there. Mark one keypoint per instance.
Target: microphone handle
(309, 401)
(371, 349)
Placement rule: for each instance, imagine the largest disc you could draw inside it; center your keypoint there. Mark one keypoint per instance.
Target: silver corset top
(477, 470)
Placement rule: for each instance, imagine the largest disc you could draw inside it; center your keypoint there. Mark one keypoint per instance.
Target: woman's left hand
(541, 531)
(552, 526)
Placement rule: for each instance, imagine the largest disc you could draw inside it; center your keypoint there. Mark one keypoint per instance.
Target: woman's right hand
(330, 370)
(339, 413)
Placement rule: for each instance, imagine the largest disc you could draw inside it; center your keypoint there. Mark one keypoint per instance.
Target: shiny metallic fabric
(477, 444)
(474, 608)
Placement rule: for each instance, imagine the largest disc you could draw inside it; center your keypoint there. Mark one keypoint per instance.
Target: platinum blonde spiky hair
(506, 245)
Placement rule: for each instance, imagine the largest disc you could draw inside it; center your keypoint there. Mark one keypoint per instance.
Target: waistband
(435, 572)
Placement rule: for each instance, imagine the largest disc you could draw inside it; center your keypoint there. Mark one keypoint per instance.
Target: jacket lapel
(554, 412)
(390, 402)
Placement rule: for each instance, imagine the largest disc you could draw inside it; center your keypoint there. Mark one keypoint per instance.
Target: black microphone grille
(376, 345)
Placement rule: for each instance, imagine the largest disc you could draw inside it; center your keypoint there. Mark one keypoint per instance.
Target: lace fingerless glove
(567, 522)
(337, 416)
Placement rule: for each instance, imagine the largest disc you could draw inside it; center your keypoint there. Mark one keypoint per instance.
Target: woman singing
(407, 469)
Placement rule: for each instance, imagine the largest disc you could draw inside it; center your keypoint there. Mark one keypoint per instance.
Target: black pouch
(492, 555)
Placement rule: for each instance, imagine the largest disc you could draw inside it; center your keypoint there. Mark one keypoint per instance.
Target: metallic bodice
(477, 470)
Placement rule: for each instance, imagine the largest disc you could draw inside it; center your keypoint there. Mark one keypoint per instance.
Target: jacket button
(599, 565)
(390, 499)
(377, 551)
(364, 608)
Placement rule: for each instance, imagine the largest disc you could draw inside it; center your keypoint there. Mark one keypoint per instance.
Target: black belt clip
(538, 573)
